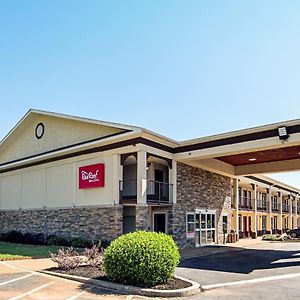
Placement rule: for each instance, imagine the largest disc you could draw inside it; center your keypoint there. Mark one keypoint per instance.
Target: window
(249, 199)
(225, 224)
(264, 200)
(190, 225)
(245, 194)
(240, 196)
(274, 203)
(274, 222)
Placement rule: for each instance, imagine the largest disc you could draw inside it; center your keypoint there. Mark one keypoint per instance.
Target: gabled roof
(125, 127)
(69, 117)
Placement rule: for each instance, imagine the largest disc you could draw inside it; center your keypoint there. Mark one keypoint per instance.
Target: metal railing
(128, 191)
(275, 207)
(246, 203)
(261, 205)
(285, 208)
(157, 192)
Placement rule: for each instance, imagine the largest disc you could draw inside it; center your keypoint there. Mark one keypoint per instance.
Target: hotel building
(73, 176)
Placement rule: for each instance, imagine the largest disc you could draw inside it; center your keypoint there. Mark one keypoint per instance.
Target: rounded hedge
(141, 258)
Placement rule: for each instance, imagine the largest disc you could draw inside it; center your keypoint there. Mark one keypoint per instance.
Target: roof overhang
(251, 151)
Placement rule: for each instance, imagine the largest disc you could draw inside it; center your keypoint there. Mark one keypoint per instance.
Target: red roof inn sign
(91, 176)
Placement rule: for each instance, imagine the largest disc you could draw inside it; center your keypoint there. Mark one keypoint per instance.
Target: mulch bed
(95, 273)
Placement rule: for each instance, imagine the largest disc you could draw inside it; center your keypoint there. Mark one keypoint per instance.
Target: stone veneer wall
(104, 223)
(198, 188)
(141, 217)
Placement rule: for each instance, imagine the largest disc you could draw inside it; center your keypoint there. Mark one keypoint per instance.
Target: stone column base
(141, 222)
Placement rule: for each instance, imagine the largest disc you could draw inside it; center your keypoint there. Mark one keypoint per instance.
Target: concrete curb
(128, 289)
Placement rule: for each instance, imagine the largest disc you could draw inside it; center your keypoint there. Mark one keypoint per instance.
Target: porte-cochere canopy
(264, 149)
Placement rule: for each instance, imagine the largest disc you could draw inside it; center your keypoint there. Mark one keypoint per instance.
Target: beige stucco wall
(10, 191)
(60, 185)
(59, 132)
(33, 193)
(55, 185)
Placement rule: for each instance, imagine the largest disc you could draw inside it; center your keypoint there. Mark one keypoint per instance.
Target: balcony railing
(275, 207)
(128, 191)
(246, 203)
(157, 192)
(285, 208)
(161, 192)
(261, 205)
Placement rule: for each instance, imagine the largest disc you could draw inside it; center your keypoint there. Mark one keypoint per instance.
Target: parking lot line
(16, 279)
(32, 291)
(249, 281)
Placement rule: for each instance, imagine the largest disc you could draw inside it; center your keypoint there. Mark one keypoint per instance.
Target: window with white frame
(274, 203)
(190, 225)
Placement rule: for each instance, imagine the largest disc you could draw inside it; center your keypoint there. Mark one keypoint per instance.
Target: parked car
(293, 233)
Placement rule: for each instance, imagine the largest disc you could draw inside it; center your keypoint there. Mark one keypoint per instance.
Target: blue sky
(182, 68)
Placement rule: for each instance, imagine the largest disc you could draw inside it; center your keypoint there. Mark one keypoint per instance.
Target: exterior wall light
(282, 133)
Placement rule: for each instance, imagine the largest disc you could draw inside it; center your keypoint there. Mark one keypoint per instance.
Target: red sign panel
(91, 176)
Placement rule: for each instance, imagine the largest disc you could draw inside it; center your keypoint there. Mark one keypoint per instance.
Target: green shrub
(15, 236)
(141, 258)
(272, 237)
(58, 241)
(79, 242)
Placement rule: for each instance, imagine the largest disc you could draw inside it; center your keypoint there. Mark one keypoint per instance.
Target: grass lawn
(20, 251)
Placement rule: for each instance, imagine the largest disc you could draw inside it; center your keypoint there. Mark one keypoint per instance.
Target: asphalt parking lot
(16, 284)
(264, 261)
(258, 261)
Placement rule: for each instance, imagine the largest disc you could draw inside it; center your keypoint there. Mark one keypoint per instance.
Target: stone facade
(141, 217)
(89, 222)
(197, 188)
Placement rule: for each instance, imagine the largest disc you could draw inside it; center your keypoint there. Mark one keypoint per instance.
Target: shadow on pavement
(97, 290)
(243, 261)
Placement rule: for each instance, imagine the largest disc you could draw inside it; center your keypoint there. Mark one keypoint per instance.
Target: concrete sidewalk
(32, 264)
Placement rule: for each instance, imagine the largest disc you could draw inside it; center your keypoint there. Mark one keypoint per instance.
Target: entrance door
(249, 226)
(160, 222)
(245, 226)
(205, 227)
(264, 224)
